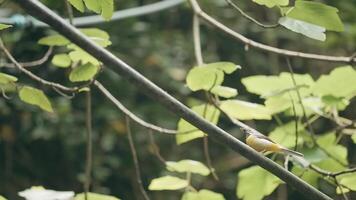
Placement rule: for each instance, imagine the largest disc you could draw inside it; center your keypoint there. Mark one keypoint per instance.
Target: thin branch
(252, 43)
(296, 123)
(332, 174)
(34, 76)
(234, 5)
(69, 11)
(155, 147)
(127, 112)
(341, 189)
(197, 40)
(89, 143)
(37, 9)
(32, 63)
(135, 159)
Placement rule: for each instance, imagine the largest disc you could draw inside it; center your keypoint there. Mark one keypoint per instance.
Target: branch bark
(37, 9)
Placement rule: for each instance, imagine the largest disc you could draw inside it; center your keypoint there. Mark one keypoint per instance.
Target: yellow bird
(262, 143)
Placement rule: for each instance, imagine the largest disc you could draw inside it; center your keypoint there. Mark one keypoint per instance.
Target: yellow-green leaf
(168, 183)
(36, 97)
(83, 72)
(244, 110)
(78, 4)
(286, 134)
(348, 180)
(223, 91)
(95, 196)
(61, 60)
(191, 166)
(2, 198)
(254, 183)
(54, 40)
(93, 5)
(4, 26)
(6, 78)
(202, 195)
(82, 56)
(272, 3)
(107, 9)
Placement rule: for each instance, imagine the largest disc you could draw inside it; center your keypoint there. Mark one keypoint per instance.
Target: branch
(43, 13)
(127, 112)
(32, 63)
(135, 159)
(89, 143)
(249, 17)
(252, 43)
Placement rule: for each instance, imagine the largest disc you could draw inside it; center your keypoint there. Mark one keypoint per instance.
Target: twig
(341, 189)
(135, 159)
(69, 11)
(155, 147)
(32, 63)
(332, 174)
(234, 5)
(127, 112)
(197, 41)
(89, 143)
(296, 123)
(252, 43)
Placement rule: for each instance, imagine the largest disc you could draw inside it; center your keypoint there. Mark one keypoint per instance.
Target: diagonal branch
(37, 9)
(34, 63)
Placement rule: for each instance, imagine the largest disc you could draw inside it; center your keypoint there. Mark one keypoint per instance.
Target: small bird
(262, 143)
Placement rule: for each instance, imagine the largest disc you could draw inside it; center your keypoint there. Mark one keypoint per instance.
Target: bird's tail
(290, 152)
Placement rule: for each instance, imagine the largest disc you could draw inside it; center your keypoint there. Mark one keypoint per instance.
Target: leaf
(2, 198)
(107, 9)
(191, 166)
(318, 14)
(4, 26)
(187, 132)
(244, 110)
(309, 176)
(6, 78)
(54, 40)
(205, 77)
(168, 183)
(310, 30)
(348, 180)
(277, 104)
(286, 134)
(95, 196)
(36, 97)
(78, 4)
(100, 37)
(272, 3)
(93, 5)
(332, 102)
(341, 82)
(202, 195)
(82, 56)
(272, 85)
(254, 183)
(83, 73)
(61, 60)
(353, 137)
(223, 91)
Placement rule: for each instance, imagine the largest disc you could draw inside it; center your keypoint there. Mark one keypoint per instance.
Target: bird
(262, 143)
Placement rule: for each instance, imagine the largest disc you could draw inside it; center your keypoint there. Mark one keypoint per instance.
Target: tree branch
(40, 11)
(31, 63)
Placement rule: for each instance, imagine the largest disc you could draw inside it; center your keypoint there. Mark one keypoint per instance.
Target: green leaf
(332, 102)
(36, 97)
(223, 91)
(277, 104)
(95, 196)
(314, 155)
(286, 134)
(83, 73)
(272, 3)
(93, 5)
(202, 195)
(2, 198)
(267, 86)
(4, 26)
(168, 183)
(78, 4)
(82, 56)
(54, 40)
(191, 166)
(61, 60)
(353, 137)
(101, 37)
(317, 13)
(6, 78)
(310, 30)
(205, 77)
(309, 176)
(187, 132)
(254, 183)
(348, 180)
(107, 9)
(244, 110)
(341, 82)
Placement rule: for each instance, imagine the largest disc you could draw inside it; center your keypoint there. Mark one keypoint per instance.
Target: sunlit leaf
(310, 30)
(341, 82)
(93, 5)
(6, 78)
(332, 102)
(36, 97)
(4, 26)
(317, 13)
(244, 110)
(272, 3)
(255, 177)
(202, 195)
(83, 72)
(61, 60)
(187, 132)
(223, 91)
(80, 55)
(354, 137)
(101, 37)
(107, 9)
(307, 175)
(277, 104)
(286, 134)
(54, 40)
(78, 4)
(95, 196)
(167, 183)
(191, 166)
(2, 198)
(348, 180)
